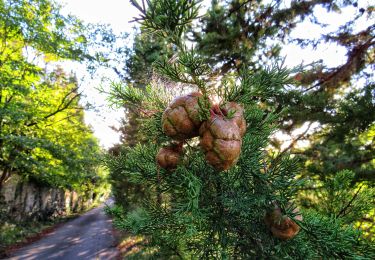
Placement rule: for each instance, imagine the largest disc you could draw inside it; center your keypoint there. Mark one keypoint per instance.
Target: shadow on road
(86, 237)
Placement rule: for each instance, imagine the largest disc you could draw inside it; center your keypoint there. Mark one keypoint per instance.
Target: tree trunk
(5, 174)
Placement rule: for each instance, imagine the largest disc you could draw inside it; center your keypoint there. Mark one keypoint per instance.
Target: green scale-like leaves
(196, 211)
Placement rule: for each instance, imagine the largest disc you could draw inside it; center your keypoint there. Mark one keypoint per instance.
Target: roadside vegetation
(43, 136)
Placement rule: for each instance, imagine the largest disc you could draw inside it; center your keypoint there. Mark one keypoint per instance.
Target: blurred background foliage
(43, 136)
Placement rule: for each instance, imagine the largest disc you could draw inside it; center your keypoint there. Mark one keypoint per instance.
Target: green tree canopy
(42, 132)
(340, 99)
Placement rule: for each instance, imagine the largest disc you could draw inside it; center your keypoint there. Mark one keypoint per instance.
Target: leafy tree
(42, 132)
(199, 211)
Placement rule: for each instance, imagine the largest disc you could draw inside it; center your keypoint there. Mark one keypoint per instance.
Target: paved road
(86, 237)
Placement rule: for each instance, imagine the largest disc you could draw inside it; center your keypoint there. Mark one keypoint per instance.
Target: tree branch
(60, 108)
(233, 10)
(295, 141)
(344, 72)
(63, 119)
(342, 211)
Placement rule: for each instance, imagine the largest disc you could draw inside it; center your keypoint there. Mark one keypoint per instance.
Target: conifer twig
(295, 140)
(342, 211)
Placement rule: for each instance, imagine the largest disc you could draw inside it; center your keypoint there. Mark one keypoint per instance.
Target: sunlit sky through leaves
(118, 13)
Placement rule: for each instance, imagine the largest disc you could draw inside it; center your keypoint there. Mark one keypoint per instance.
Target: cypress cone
(169, 157)
(282, 226)
(181, 118)
(237, 115)
(220, 140)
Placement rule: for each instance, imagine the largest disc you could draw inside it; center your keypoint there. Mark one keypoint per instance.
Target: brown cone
(169, 157)
(181, 118)
(282, 226)
(238, 116)
(221, 141)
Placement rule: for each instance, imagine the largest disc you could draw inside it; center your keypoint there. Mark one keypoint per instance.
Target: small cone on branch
(220, 140)
(282, 226)
(169, 157)
(236, 112)
(181, 118)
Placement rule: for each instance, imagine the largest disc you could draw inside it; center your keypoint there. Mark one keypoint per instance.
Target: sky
(118, 13)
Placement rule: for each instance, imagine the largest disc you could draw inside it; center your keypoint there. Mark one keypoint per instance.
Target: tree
(202, 209)
(137, 71)
(42, 132)
(340, 99)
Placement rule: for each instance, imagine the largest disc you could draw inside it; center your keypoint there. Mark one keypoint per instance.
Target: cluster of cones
(220, 139)
(220, 135)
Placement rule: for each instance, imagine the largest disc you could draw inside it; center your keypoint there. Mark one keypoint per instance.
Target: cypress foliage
(339, 99)
(137, 71)
(197, 211)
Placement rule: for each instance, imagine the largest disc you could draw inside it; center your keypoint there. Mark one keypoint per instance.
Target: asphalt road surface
(86, 237)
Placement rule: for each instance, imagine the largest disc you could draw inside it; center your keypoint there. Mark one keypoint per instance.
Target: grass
(11, 233)
(132, 247)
